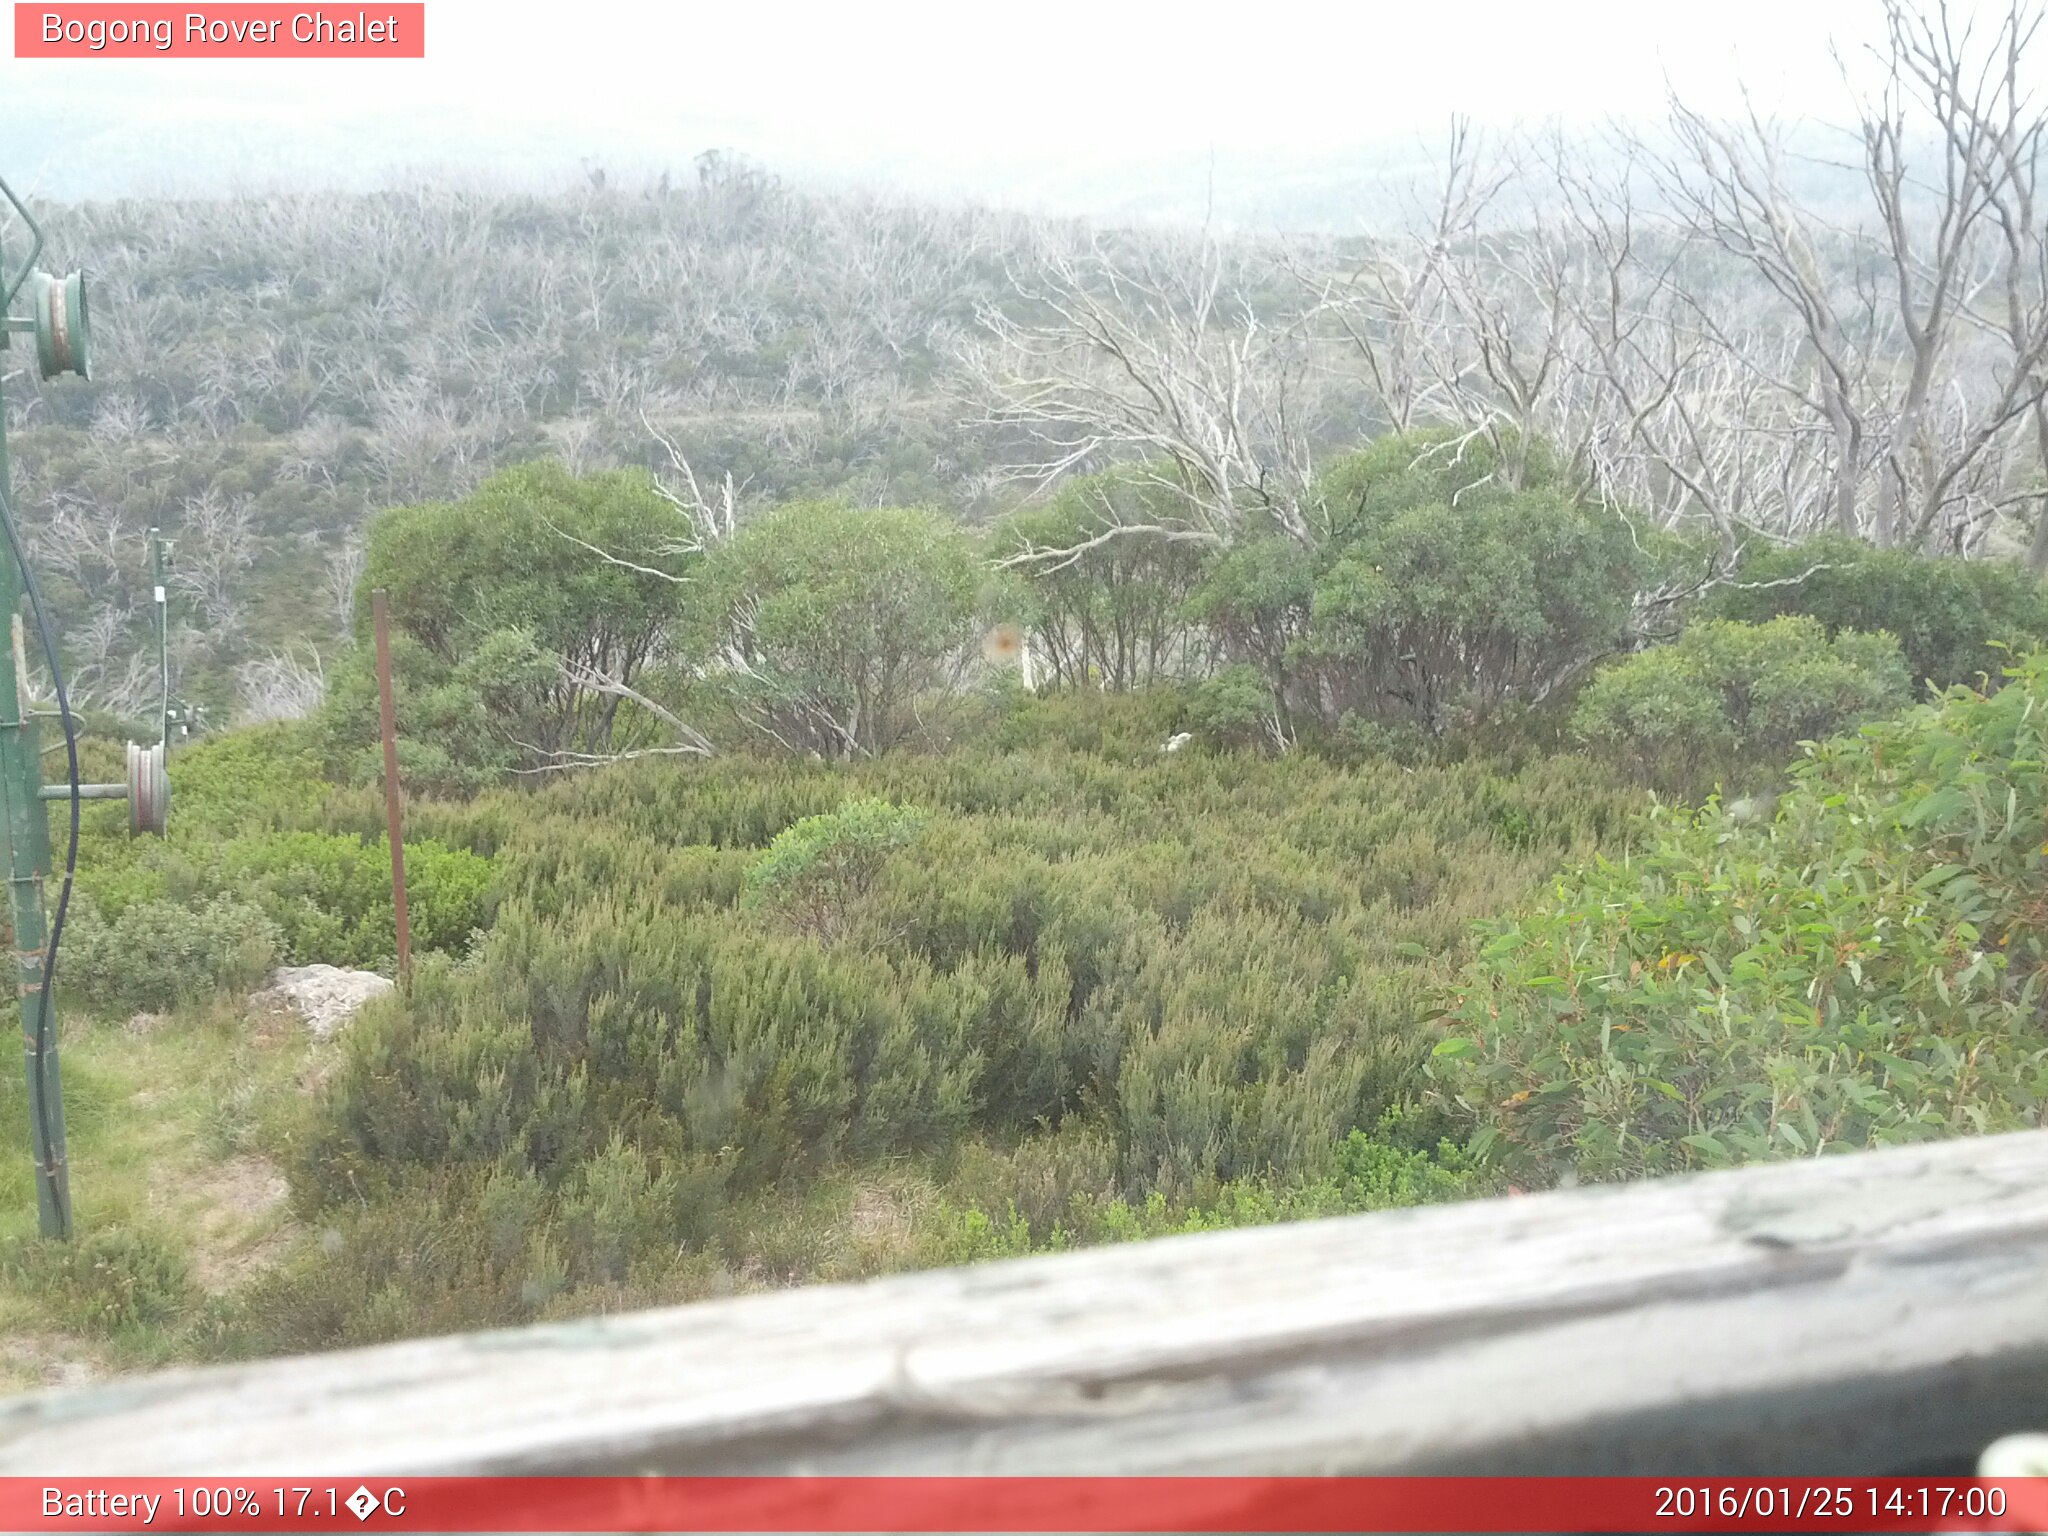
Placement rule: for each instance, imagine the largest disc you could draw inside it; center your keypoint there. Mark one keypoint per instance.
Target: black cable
(42, 1035)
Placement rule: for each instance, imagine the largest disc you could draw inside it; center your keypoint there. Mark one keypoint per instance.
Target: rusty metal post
(388, 713)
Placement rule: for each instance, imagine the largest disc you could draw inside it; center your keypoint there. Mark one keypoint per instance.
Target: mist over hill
(1115, 113)
(76, 147)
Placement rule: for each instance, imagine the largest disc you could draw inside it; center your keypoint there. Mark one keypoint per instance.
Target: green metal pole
(163, 635)
(20, 803)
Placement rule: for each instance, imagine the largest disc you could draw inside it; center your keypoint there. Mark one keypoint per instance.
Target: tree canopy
(531, 607)
(825, 625)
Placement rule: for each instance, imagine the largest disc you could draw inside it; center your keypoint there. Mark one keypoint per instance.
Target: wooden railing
(1876, 1312)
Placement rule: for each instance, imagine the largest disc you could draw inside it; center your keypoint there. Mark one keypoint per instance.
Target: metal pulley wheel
(149, 791)
(63, 329)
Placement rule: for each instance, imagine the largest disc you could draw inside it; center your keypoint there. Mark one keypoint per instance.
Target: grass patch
(178, 1127)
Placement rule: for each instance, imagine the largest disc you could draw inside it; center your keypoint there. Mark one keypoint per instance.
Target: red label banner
(224, 31)
(1007, 1504)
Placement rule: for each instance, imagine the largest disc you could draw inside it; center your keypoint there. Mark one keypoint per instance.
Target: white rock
(326, 996)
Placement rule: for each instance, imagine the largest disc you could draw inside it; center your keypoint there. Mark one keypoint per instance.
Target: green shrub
(1189, 974)
(1451, 587)
(1951, 617)
(156, 922)
(1439, 584)
(1233, 708)
(331, 895)
(488, 597)
(1862, 968)
(842, 620)
(1255, 600)
(106, 1280)
(618, 1208)
(1110, 616)
(236, 784)
(1727, 699)
(327, 895)
(158, 954)
(260, 776)
(1040, 1205)
(815, 873)
(1127, 725)
(416, 1264)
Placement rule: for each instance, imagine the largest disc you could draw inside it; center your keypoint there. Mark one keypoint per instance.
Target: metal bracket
(148, 791)
(35, 249)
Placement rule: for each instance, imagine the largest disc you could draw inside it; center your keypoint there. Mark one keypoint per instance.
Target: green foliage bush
(617, 1208)
(1454, 591)
(1111, 616)
(1233, 708)
(1436, 591)
(1058, 1191)
(842, 620)
(497, 595)
(448, 744)
(331, 895)
(421, 1264)
(1194, 974)
(1255, 601)
(1863, 968)
(1728, 700)
(104, 1281)
(816, 872)
(252, 875)
(265, 776)
(1952, 618)
(1125, 726)
(324, 896)
(158, 954)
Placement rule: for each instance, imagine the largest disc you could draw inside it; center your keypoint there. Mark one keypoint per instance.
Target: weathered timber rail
(1876, 1312)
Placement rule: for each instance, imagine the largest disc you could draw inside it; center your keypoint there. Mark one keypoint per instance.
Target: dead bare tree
(1684, 415)
(1730, 184)
(687, 740)
(106, 669)
(1918, 442)
(342, 575)
(1986, 126)
(2007, 130)
(1396, 303)
(707, 520)
(1473, 325)
(1162, 353)
(215, 546)
(280, 686)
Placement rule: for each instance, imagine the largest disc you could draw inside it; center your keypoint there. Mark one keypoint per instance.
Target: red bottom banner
(1251, 1504)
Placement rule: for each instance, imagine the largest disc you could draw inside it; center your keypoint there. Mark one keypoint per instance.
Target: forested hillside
(1719, 326)
(270, 372)
(929, 735)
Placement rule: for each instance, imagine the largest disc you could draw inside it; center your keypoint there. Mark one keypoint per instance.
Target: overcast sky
(1096, 107)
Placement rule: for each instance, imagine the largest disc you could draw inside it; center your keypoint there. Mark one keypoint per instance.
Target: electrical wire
(41, 1051)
